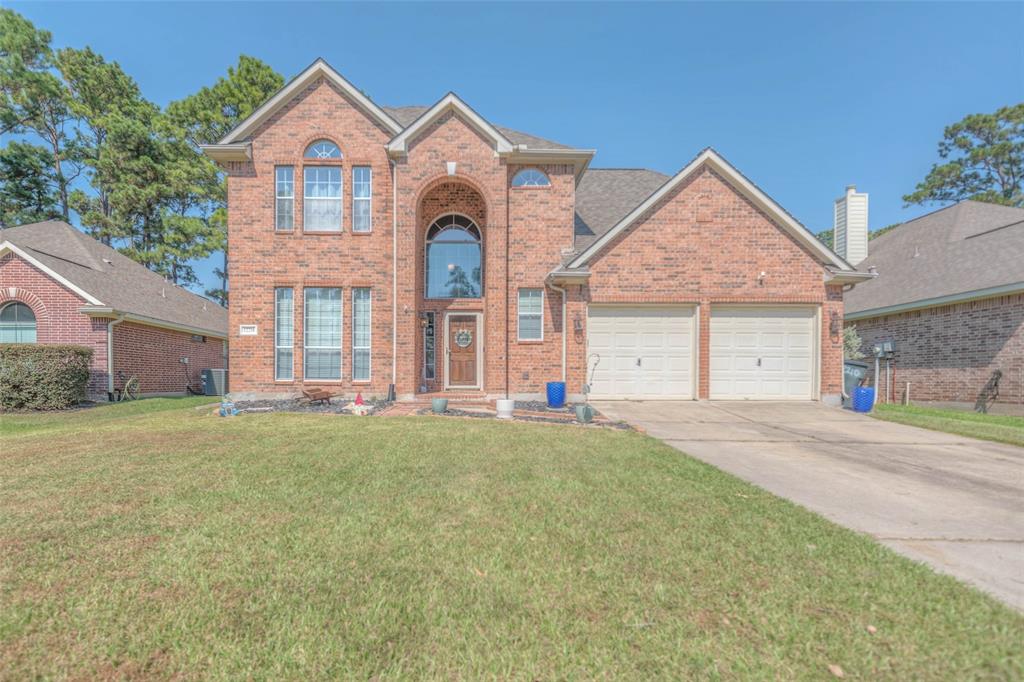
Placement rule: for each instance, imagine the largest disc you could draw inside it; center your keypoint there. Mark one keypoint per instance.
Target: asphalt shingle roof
(116, 280)
(965, 247)
(406, 115)
(604, 196)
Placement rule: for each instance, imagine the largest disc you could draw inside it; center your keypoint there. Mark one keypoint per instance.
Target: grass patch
(145, 542)
(995, 427)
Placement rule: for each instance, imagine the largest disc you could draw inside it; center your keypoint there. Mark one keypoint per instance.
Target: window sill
(529, 342)
(365, 233)
(362, 382)
(323, 232)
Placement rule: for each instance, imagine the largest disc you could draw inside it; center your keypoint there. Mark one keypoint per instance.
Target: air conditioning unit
(215, 381)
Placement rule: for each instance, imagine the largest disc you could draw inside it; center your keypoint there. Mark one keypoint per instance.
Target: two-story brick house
(430, 250)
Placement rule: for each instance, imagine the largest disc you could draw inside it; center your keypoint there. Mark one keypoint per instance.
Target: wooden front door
(462, 349)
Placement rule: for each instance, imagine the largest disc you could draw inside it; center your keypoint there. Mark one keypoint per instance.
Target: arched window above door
(454, 265)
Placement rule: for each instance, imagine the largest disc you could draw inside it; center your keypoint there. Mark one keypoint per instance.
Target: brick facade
(153, 354)
(704, 244)
(949, 353)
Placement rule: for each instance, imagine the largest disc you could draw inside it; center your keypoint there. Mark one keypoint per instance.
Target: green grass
(995, 427)
(156, 540)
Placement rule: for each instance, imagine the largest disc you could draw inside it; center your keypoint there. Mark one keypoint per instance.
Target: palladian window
(530, 177)
(323, 149)
(17, 324)
(454, 268)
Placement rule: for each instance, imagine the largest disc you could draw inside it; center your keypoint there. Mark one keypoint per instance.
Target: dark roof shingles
(605, 196)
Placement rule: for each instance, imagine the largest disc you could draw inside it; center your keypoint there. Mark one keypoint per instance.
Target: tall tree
(35, 101)
(983, 159)
(26, 185)
(211, 113)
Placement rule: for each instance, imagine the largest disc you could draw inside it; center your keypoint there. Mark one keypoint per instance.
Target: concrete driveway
(952, 502)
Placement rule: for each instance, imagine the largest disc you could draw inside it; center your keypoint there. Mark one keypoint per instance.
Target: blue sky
(804, 98)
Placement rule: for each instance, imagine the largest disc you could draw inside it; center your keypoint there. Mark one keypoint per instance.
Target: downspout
(561, 291)
(394, 273)
(508, 282)
(110, 354)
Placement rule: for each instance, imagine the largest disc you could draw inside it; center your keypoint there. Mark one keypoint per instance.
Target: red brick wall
(262, 259)
(57, 317)
(154, 356)
(948, 353)
(704, 244)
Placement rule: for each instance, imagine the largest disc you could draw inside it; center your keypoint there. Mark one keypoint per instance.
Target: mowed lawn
(995, 427)
(153, 540)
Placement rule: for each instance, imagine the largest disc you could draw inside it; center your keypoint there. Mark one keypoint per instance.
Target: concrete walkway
(952, 502)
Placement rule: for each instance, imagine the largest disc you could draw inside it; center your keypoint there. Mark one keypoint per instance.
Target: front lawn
(156, 540)
(996, 427)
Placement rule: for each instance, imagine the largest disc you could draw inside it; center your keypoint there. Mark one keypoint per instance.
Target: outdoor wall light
(577, 324)
(833, 324)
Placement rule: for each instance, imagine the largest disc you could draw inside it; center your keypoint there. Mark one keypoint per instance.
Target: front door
(462, 350)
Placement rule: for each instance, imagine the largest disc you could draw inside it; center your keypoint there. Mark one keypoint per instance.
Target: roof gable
(318, 69)
(450, 103)
(712, 159)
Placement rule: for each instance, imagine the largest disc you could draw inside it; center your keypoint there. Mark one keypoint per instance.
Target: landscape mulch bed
(337, 406)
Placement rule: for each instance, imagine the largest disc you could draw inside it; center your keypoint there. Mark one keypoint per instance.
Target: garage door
(762, 353)
(641, 352)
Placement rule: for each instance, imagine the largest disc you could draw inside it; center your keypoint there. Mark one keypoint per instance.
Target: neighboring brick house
(425, 249)
(60, 286)
(950, 294)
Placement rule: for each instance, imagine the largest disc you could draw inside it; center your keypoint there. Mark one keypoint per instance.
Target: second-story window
(321, 208)
(284, 198)
(362, 192)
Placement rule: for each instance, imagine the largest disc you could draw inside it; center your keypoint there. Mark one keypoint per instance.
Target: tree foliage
(80, 139)
(982, 159)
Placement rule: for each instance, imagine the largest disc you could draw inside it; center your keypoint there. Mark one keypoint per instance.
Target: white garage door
(644, 352)
(762, 353)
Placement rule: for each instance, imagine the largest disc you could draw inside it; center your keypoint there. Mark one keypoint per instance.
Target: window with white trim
(323, 149)
(530, 177)
(362, 194)
(322, 337)
(284, 334)
(17, 324)
(284, 198)
(361, 334)
(321, 207)
(531, 314)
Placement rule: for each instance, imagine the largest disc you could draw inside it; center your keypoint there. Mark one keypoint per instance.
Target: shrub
(41, 377)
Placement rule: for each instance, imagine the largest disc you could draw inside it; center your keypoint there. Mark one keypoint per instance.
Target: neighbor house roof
(709, 158)
(964, 251)
(111, 283)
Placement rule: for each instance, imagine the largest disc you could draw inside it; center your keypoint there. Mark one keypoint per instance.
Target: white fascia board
(235, 151)
(8, 247)
(849, 277)
(712, 159)
(399, 145)
(318, 69)
(580, 158)
(963, 297)
(99, 311)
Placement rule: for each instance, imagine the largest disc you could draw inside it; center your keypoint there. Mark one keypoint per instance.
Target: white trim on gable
(318, 69)
(8, 247)
(450, 102)
(713, 160)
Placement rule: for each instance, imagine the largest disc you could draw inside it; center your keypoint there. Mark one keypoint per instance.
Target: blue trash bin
(556, 394)
(863, 399)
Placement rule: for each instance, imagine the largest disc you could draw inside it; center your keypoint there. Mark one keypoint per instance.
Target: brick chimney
(851, 226)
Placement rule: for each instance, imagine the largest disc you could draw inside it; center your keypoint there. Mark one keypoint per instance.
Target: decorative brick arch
(14, 294)
(426, 187)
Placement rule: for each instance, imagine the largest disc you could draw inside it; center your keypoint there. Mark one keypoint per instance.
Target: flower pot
(439, 405)
(505, 408)
(584, 414)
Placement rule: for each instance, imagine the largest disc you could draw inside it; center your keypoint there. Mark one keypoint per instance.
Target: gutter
(565, 331)
(921, 304)
(100, 311)
(394, 272)
(110, 354)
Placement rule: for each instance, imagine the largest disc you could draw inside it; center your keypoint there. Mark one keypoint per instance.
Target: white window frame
(520, 314)
(277, 345)
(521, 173)
(369, 338)
(340, 227)
(341, 337)
(279, 198)
(368, 199)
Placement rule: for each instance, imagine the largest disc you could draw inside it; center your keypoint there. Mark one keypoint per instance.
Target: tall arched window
(17, 324)
(454, 268)
(323, 149)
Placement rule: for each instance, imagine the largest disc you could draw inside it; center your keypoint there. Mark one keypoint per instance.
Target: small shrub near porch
(38, 377)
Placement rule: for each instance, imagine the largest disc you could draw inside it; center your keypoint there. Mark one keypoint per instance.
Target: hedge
(39, 377)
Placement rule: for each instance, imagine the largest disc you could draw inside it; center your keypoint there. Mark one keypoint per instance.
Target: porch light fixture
(577, 324)
(451, 167)
(833, 323)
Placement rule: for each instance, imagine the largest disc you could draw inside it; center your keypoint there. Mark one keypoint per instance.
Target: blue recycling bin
(556, 394)
(863, 399)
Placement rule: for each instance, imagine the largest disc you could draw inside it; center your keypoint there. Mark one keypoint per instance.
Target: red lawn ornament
(359, 398)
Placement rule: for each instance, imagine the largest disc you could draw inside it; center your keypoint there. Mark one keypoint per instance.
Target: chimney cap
(851, 188)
